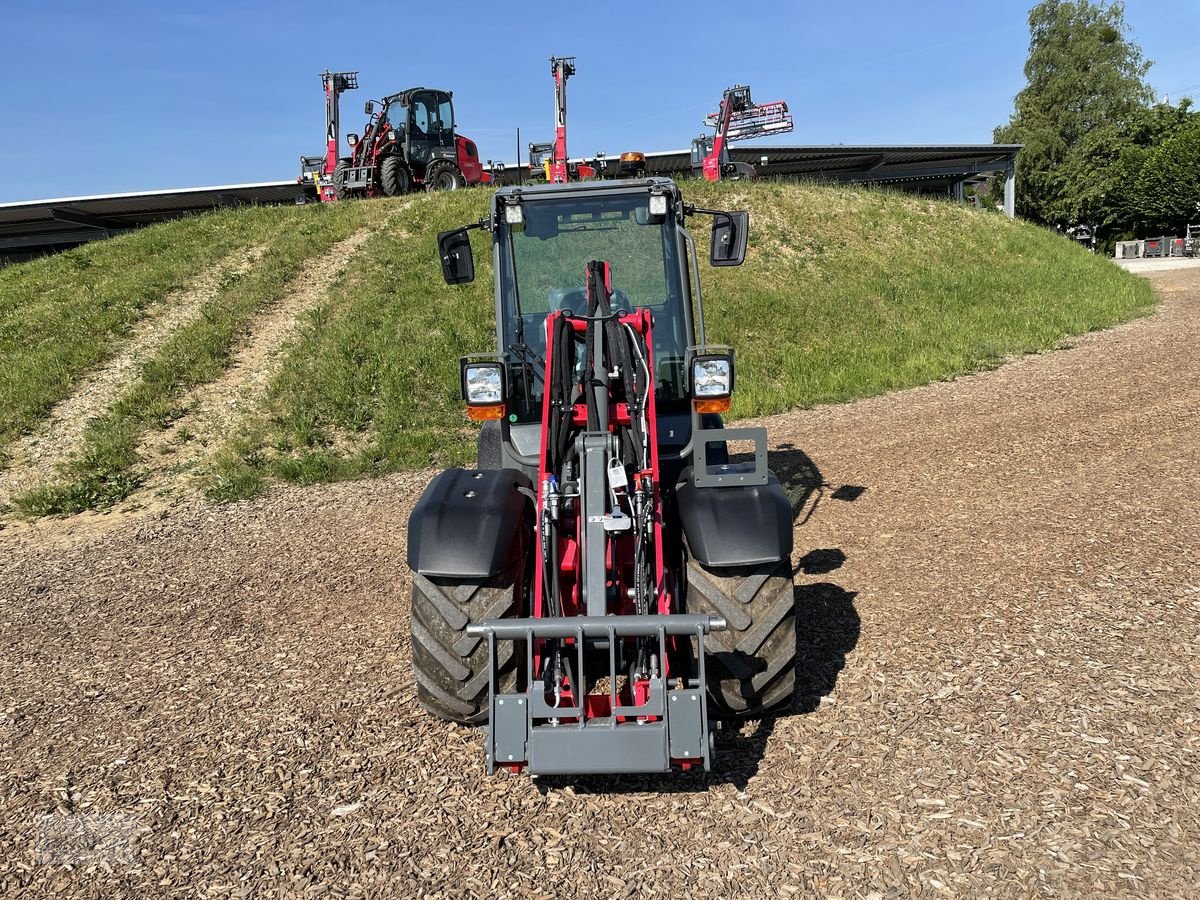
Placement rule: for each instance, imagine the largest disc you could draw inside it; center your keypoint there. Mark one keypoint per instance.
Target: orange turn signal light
(719, 405)
(485, 413)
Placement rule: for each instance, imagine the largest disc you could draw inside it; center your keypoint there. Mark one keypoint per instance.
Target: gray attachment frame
(729, 474)
(524, 728)
(357, 178)
(594, 450)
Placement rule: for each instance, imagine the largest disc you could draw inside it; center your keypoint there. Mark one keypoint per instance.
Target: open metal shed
(30, 228)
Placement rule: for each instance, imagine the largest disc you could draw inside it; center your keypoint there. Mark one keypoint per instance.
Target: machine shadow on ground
(827, 631)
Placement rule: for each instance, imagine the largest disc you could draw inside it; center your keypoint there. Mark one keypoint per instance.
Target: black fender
(466, 523)
(735, 526)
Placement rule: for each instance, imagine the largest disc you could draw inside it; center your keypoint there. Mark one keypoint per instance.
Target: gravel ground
(1000, 612)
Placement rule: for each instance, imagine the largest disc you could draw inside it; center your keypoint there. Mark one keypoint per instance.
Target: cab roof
(614, 186)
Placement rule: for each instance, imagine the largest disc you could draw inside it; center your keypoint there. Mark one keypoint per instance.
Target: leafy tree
(1127, 211)
(1085, 87)
(1168, 186)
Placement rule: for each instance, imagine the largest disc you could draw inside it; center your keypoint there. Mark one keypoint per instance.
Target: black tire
(451, 668)
(339, 179)
(488, 455)
(394, 177)
(751, 667)
(444, 177)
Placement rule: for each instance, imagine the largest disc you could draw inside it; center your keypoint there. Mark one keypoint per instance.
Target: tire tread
(751, 667)
(452, 668)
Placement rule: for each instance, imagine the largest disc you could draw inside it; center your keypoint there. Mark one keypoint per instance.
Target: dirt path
(36, 456)
(1000, 651)
(218, 408)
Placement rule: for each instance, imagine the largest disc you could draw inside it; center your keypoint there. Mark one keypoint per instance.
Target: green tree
(1085, 87)
(1168, 186)
(1129, 212)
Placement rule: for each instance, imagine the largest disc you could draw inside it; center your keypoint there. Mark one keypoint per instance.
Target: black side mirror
(458, 265)
(730, 233)
(369, 107)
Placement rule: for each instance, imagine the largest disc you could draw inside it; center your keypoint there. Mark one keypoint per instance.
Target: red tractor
(409, 143)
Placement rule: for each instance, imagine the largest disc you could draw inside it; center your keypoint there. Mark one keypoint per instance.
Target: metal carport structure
(32, 227)
(925, 168)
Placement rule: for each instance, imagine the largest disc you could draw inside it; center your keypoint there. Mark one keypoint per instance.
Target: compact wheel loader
(611, 578)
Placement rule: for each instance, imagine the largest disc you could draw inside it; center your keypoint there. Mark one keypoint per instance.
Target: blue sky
(129, 95)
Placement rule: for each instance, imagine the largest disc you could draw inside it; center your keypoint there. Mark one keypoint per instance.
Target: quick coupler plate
(670, 727)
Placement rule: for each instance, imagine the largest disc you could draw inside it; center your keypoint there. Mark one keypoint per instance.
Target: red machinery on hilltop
(410, 143)
(552, 158)
(738, 117)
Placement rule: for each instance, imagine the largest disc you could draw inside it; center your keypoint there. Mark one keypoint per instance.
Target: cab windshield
(542, 266)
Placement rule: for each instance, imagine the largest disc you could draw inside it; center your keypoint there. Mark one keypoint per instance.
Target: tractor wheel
(444, 177)
(488, 453)
(751, 667)
(339, 179)
(394, 177)
(451, 667)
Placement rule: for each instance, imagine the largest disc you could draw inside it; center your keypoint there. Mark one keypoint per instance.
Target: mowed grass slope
(62, 326)
(849, 293)
(62, 315)
(845, 293)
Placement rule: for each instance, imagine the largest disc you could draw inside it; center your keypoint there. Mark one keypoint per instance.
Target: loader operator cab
(423, 119)
(543, 238)
(542, 263)
(701, 147)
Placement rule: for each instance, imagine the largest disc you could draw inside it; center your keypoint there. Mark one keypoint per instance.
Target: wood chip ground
(999, 599)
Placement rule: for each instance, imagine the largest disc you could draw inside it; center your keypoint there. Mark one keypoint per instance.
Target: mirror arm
(484, 223)
(690, 209)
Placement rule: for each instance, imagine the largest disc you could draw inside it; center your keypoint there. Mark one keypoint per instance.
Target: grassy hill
(845, 293)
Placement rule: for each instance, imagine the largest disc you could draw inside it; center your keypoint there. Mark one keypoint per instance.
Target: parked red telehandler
(607, 576)
(550, 159)
(738, 117)
(410, 143)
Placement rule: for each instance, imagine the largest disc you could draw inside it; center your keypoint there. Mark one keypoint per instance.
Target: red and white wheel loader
(607, 580)
(409, 144)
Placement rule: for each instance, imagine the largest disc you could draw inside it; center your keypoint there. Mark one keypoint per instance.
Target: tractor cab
(701, 147)
(422, 120)
(539, 161)
(544, 237)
